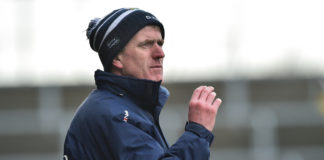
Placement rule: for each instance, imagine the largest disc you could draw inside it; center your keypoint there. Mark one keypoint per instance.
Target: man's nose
(158, 51)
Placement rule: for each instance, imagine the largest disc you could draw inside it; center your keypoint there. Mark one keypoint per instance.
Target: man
(120, 119)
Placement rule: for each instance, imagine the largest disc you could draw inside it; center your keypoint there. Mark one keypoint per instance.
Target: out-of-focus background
(264, 57)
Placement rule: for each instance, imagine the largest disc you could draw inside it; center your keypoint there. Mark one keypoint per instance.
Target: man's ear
(116, 62)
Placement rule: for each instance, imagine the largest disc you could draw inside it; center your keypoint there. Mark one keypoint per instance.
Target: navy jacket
(120, 121)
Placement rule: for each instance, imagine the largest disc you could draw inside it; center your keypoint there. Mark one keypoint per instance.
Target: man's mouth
(157, 66)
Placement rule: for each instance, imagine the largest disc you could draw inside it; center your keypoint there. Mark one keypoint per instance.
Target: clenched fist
(203, 107)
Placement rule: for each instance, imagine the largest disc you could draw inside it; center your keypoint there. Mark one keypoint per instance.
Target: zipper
(157, 124)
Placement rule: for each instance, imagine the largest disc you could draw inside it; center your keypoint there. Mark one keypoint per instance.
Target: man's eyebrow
(147, 41)
(160, 40)
(152, 41)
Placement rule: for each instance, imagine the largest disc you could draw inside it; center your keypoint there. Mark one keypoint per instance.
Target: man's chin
(157, 78)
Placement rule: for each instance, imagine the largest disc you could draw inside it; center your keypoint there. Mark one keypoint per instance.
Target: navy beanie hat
(109, 35)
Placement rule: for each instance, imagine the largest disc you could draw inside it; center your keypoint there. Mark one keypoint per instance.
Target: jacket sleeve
(193, 144)
(130, 141)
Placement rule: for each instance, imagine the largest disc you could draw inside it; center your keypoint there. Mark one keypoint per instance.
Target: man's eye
(160, 43)
(147, 44)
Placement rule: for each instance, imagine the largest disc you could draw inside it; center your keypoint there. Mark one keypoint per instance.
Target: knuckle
(197, 104)
(213, 109)
(213, 94)
(193, 103)
(200, 88)
(208, 107)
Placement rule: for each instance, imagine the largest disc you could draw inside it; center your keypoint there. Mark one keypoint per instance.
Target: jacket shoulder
(101, 103)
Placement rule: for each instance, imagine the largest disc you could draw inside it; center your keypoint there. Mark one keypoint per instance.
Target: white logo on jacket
(126, 116)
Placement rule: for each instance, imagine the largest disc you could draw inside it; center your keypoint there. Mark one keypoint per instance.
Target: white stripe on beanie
(115, 23)
(95, 36)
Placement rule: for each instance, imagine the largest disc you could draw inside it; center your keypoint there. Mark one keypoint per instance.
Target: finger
(205, 92)
(217, 103)
(210, 98)
(197, 92)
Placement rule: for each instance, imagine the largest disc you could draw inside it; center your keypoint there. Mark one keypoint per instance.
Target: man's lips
(157, 66)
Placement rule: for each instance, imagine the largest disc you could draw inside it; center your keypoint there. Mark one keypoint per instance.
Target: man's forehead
(149, 33)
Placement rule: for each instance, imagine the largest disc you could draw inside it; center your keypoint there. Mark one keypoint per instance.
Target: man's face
(143, 56)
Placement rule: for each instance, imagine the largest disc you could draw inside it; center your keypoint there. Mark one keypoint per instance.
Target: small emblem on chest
(126, 116)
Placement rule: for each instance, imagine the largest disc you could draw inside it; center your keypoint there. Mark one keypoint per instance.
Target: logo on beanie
(113, 42)
(150, 17)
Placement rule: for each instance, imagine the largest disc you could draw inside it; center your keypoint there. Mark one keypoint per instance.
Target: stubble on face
(143, 55)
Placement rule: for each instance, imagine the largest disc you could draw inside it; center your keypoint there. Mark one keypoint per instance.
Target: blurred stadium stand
(277, 119)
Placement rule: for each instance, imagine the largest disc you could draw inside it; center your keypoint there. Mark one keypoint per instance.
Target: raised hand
(203, 107)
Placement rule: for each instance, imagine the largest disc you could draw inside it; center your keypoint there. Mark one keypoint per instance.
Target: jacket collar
(149, 95)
